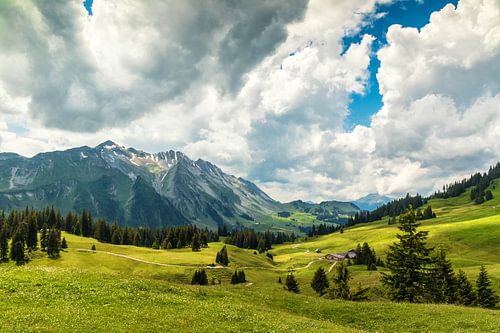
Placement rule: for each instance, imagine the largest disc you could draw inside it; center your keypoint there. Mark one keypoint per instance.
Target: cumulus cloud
(259, 89)
(441, 114)
(85, 73)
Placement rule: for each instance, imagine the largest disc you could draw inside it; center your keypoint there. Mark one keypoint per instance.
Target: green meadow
(126, 288)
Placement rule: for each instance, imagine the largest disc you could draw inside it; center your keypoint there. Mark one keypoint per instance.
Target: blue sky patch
(88, 6)
(407, 13)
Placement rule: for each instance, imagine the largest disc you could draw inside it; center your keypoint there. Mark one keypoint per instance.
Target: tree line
(338, 288)
(21, 229)
(392, 209)
(418, 274)
(365, 255)
(479, 183)
(156, 238)
(322, 229)
(260, 241)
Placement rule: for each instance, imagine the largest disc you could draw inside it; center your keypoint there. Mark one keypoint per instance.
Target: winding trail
(207, 267)
(331, 267)
(149, 262)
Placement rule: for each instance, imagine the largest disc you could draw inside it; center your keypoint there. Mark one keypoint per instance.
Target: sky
(309, 99)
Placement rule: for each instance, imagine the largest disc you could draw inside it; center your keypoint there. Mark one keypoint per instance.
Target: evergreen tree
(241, 276)
(93, 247)
(488, 195)
(195, 243)
(179, 244)
(261, 247)
(116, 237)
(86, 223)
(43, 236)
(169, 246)
(238, 277)
(485, 295)
(4, 243)
(340, 287)
(442, 283)
(17, 252)
(64, 244)
(200, 277)
(465, 294)
(137, 239)
(18, 244)
(428, 214)
(291, 283)
(358, 260)
(279, 280)
(222, 257)
(53, 243)
(32, 239)
(320, 282)
(408, 262)
(479, 199)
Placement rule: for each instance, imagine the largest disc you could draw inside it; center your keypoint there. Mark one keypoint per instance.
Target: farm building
(341, 256)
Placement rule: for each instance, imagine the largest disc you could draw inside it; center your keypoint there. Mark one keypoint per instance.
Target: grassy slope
(48, 298)
(85, 291)
(470, 234)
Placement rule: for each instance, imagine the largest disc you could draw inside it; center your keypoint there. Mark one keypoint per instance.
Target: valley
(120, 286)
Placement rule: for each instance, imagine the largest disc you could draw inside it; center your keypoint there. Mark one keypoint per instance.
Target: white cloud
(262, 91)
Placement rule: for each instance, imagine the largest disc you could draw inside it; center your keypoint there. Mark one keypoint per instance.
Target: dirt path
(149, 262)
(331, 267)
(207, 267)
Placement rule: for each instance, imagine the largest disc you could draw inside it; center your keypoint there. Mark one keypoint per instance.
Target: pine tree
(320, 282)
(485, 295)
(408, 262)
(32, 239)
(17, 252)
(340, 288)
(195, 243)
(137, 239)
(64, 244)
(442, 283)
(53, 243)
(428, 214)
(465, 294)
(358, 260)
(43, 236)
(241, 276)
(93, 247)
(238, 277)
(169, 246)
(222, 257)
(86, 223)
(116, 237)
(488, 195)
(291, 283)
(200, 277)
(261, 247)
(18, 244)
(4, 244)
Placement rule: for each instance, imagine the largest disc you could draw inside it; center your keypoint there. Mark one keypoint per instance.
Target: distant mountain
(131, 186)
(327, 211)
(372, 201)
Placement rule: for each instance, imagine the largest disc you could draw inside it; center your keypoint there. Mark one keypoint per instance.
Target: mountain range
(372, 201)
(135, 188)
